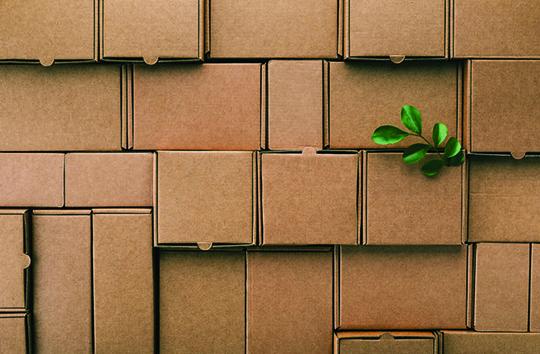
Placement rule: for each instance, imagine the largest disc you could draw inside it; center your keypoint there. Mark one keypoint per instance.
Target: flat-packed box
(534, 311)
(66, 107)
(396, 29)
(161, 30)
(205, 198)
(198, 107)
(366, 95)
(356, 342)
(274, 29)
(403, 207)
(496, 29)
(403, 287)
(310, 198)
(49, 31)
(108, 179)
(469, 342)
(15, 333)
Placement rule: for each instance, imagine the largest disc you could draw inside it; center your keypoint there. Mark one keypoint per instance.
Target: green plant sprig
(451, 155)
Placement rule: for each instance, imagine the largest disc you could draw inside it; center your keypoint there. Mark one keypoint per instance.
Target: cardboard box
(403, 207)
(502, 111)
(199, 107)
(202, 299)
(28, 180)
(396, 29)
(534, 311)
(366, 95)
(469, 342)
(205, 198)
(109, 179)
(275, 29)
(123, 281)
(290, 299)
(15, 333)
(310, 198)
(496, 29)
(389, 287)
(504, 199)
(161, 30)
(62, 281)
(67, 107)
(385, 342)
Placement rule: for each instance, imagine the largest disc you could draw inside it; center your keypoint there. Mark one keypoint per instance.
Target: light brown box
(366, 95)
(108, 179)
(405, 287)
(66, 107)
(501, 301)
(396, 29)
(205, 198)
(123, 281)
(199, 107)
(62, 281)
(385, 342)
(310, 198)
(403, 207)
(469, 342)
(504, 199)
(274, 29)
(202, 299)
(289, 302)
(534, 310)
(32, 179)
(496, 29)
(14, 333)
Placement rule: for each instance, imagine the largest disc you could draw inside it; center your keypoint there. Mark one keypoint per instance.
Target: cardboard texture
(366, 95)
(309, 198)
(461, 342)
(198, 107)
(385, 342)
(14, 333)
(534, 311)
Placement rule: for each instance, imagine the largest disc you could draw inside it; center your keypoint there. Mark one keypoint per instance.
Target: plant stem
(430, 144)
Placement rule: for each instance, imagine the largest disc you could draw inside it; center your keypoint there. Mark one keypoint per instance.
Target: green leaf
(388, 134)
(415, 153)
(411, 118)
(440, 132)
(432, 168)
(456, 160)
(453, 147)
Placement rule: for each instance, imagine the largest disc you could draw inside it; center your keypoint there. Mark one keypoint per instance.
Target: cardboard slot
(385, 342)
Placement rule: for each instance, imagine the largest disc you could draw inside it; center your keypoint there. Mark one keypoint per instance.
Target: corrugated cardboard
(534, 306)
(496, 29)
(14, 260)
(462, 342)
(14, 333)
(385, 342)
(274, 29)
(62, 281)
(501, 301)
(403, 207)
(310, 198)
(199, 107)
(366, 95)
(49, 31)
(123, 281)
(504, 199)
(152, 31)
(31, 179)
(205, 198)
(202, 299)
(289, 302)
(396, 29)
(68, 107)
(109, 179)
(403, 287)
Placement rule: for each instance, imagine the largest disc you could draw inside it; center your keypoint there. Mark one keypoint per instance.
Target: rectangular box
(15, 333)
(534, 311)
(385, 342)
(469, 342)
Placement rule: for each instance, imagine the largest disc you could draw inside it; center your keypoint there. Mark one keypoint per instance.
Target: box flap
(469, 342)
(387, 342)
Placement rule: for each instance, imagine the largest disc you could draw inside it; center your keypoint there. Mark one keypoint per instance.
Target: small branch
(430, 144)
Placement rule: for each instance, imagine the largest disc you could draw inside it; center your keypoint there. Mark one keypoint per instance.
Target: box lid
(386, 342)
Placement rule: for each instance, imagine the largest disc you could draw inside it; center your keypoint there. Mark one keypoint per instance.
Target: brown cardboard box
(503, 110)
(199, 107)
(385, 342)
(62, 281)
(403, 207)
(14, 260)
(68, 107)
(295, 104)
(496, 29)
(366, 95)
(31, 179)
(108, 179)
(403, 287)
(534, 311)
(274, 29)
(205, 198)
(163, 29)
(469, 342)
(504, 199)
(202, 299)
(48, 31)
(310, 198)
(14, 333)
(289, 302)
(123, 281)
(396, 29)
